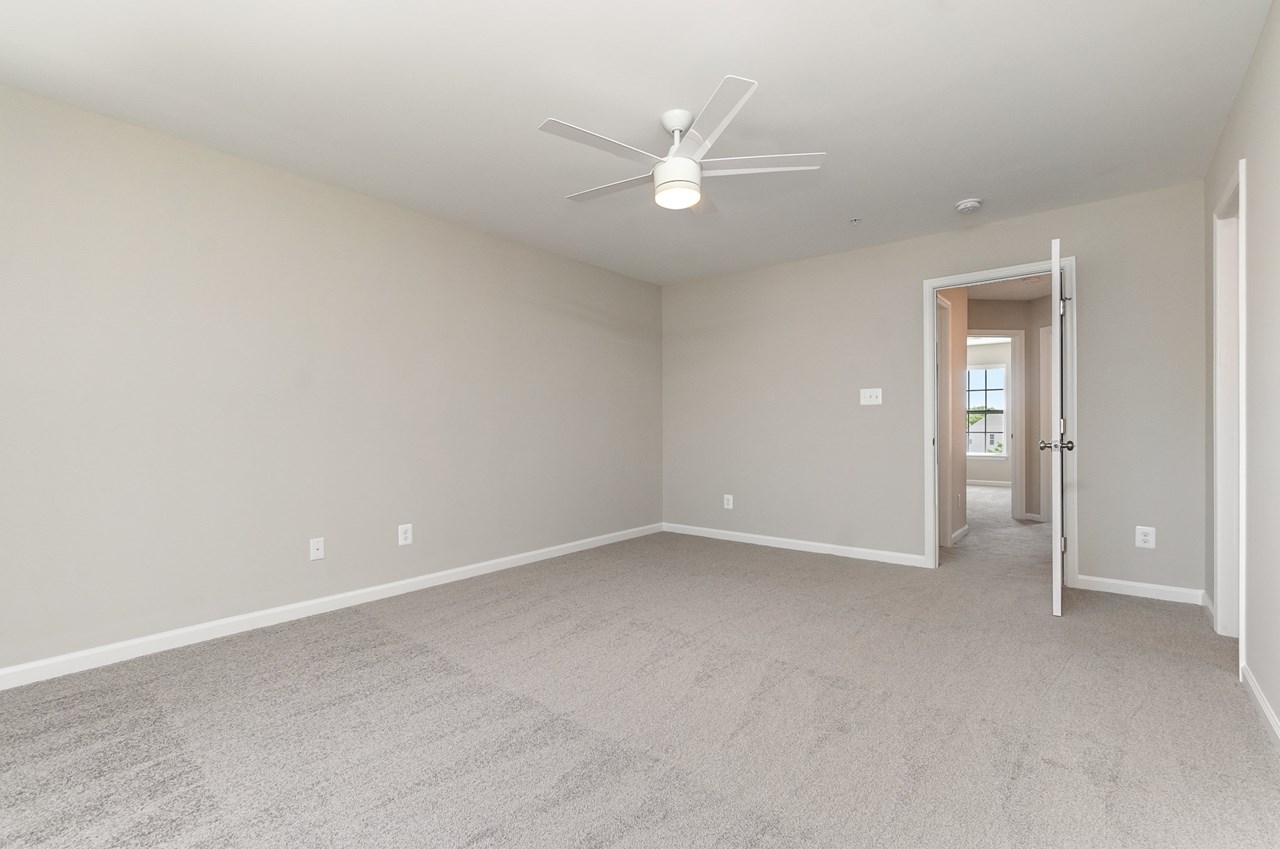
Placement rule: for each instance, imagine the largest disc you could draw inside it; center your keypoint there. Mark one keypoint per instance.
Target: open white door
(1057, 442)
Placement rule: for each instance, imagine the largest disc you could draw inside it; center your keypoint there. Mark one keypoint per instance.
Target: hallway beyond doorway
(995, 539)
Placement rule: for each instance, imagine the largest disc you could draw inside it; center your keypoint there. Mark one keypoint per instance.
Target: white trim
(1228, 417)
(1244, 421)
(995, 275)
(974, 278)
(1033, 517)
(1161, 592)
(40, 670)
(1268, 712)
(944, 452)
(989, 483)
(895, 557)
(960, 533)
(1207, 601)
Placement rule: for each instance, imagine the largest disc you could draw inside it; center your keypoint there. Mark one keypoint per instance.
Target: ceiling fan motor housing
(677, 119)
(677, 176)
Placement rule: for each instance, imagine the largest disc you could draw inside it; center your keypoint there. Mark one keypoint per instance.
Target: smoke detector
(969, 206)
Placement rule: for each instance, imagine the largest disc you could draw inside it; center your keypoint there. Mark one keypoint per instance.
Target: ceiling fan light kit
(677, 177)
(677, 183)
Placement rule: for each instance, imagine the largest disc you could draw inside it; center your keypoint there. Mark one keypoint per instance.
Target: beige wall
(205, 362)
(1253, 132)
(1029, 317)
(762, 371)
(994, 468)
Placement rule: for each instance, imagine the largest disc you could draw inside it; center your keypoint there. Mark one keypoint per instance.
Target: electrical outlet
(870, 396)
(728, 502)
(317, 548)
(405, 534)
(1145, 537)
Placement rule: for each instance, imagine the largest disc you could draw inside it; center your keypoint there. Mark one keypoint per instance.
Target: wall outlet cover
(869, 397)
(317, 548)
(728, 502)
(1144, 537)
(404, 534)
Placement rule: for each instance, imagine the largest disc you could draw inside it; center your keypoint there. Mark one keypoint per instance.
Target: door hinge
(1062, 427)
(1063, 540)
(1062, 306)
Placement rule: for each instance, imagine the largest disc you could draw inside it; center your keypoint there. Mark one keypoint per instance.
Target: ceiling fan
(677, 177)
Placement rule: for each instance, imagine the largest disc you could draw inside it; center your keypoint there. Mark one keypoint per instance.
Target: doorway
(999, 414)
(1005, 421)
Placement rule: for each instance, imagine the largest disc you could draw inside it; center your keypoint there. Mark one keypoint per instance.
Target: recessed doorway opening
(1000, 402)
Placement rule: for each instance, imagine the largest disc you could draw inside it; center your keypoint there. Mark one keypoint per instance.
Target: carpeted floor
(666, 692)
(996, 539)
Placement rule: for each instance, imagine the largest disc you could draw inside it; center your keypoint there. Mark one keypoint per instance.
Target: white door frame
(1014, 409)
(949, 531)
(1044, 424)
(975, 278)
(1230, 468)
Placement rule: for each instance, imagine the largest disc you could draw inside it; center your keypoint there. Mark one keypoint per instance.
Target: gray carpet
(666, 692)
(997, 540)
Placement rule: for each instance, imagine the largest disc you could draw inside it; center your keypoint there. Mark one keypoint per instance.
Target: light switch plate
(870, 396)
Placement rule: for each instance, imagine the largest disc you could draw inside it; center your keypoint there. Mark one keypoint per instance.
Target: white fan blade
(715, 116)
(762, 164)
(617, 148)
(610, 188)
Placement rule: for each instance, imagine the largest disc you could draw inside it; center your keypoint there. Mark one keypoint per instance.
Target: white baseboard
(1208, 603)
(1033, 517)
(895, 557)
(40, 670)
(961, 533)
(988, 483)
(1268, 712)
(1161, 592)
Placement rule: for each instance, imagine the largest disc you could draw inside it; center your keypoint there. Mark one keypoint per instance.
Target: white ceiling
(434, 105)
